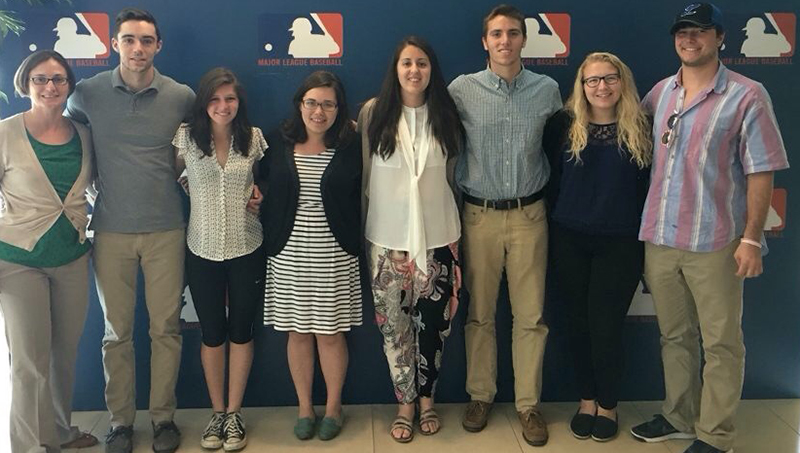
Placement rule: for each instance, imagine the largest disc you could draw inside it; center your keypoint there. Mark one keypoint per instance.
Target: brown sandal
(85, 440)
(429, 417)
(404, 424)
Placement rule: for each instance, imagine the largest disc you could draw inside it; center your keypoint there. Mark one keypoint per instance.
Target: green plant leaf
(42, 2)
(9, 23)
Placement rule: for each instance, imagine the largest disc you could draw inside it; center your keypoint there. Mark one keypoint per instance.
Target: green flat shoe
(304, 428)
(330, 427)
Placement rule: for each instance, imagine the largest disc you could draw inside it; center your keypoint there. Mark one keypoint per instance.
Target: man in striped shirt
(717, 145)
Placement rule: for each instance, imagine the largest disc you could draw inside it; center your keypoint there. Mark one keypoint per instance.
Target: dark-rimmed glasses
(312, 104)
(672, 121)
(42, 80)
(594, 82)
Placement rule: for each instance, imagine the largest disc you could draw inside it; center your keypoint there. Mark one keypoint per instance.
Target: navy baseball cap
(703, 15)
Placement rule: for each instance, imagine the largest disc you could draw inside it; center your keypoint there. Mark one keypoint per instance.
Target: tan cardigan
(29, 205)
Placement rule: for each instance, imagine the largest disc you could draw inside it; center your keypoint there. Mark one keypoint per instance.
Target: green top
(60, 244)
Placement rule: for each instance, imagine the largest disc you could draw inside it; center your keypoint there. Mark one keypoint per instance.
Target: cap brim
(688, 22)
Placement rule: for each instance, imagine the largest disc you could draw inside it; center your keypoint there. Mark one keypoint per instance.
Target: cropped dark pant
(243, 280)
(597, 276)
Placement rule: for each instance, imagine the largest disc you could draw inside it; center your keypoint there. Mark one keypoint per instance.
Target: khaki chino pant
(44, 310)
(117, 258)
(698, 296)
(514, 240)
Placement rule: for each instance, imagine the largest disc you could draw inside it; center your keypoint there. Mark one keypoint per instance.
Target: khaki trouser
(514, 239)
(44, 310)
(116, 261)
(699, 295)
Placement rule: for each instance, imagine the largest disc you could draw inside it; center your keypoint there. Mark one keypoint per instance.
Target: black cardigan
(340, 187)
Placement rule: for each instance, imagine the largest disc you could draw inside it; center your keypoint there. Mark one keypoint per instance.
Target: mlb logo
(301, 36)
(769, 35)
(80, 35)
(776, 218)
(548, 36)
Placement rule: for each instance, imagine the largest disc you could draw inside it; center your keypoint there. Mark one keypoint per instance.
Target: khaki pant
(117, 258)
(44, 310)
(516, 240)
(698, 295)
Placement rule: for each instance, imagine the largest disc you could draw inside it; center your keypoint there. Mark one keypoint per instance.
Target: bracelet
(751, 242)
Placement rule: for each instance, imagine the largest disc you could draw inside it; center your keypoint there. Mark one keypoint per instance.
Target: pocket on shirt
(714, 135)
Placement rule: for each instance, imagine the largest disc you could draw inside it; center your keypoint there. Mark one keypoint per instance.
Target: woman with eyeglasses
(600, 149)
(411, 134)
(311, 178)
(45, 169)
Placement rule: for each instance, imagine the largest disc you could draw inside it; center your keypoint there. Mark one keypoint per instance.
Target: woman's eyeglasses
(594, 82)
(312, 104)
(42, 80)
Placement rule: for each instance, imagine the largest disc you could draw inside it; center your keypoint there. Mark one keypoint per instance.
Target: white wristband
(751, 242)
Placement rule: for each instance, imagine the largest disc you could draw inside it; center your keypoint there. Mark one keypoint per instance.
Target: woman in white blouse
(225, 256)
(411, 132)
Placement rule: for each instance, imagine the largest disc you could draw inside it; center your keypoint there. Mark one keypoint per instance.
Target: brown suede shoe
(476, 416)
(534, 428)
(85, 440)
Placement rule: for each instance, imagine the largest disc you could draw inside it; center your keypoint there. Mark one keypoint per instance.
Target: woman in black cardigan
(311, 180)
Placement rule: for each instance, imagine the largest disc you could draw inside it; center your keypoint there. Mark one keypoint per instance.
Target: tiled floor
(765, 426)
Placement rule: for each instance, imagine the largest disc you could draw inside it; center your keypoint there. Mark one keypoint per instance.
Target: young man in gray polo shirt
(138, 220)
(502, 173)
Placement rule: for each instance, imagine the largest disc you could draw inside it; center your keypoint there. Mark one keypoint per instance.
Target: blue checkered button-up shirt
(504, 122)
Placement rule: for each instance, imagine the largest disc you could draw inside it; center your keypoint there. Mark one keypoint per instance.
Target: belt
(502, 205)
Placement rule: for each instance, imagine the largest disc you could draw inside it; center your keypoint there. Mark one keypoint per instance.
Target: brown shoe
(534, 428)
(85, 440)
(476, 416)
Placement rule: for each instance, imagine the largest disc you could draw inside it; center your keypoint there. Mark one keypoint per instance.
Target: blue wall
(208, 33)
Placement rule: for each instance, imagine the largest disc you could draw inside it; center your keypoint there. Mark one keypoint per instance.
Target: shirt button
(507, 140)
(507, 162)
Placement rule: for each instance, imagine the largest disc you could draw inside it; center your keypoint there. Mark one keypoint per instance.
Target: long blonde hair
(633, 128)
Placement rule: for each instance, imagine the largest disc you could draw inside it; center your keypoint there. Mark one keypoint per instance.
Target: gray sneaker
(120, 440)
(166, 437)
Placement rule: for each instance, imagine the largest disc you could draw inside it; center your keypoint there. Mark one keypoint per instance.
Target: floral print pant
(413, 310)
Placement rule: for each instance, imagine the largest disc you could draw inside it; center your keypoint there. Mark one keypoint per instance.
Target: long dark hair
(341, 132)
(442, 113)
(200, 124)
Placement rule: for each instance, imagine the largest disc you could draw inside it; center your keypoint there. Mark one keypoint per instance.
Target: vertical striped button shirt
(697, 199)
(504, 122)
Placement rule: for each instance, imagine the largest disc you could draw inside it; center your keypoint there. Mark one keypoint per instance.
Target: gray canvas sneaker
(166, 437)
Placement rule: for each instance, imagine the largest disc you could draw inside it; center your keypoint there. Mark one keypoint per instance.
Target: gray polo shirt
(504, 123)
(134, 158)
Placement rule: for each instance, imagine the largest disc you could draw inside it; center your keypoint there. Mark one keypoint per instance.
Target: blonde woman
(600, 149)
